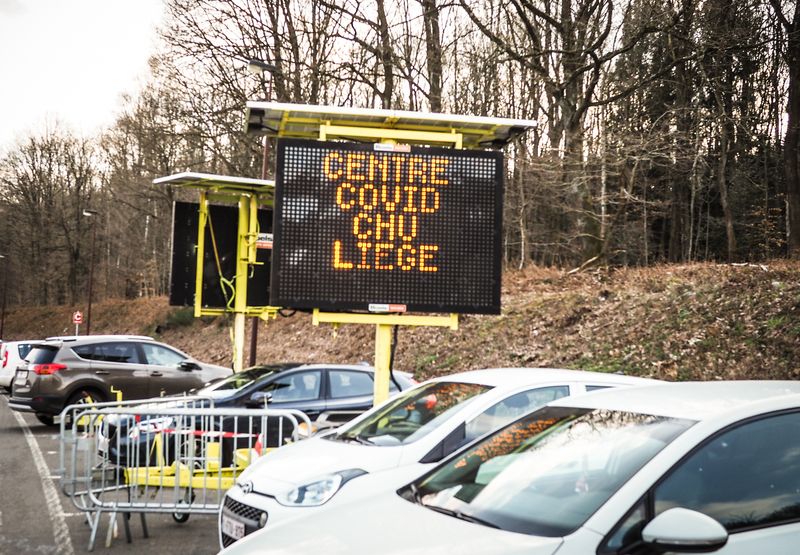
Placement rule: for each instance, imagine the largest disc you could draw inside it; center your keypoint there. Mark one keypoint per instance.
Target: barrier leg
(126, 521)
(144, 525)
(94, 524)
(112, 528)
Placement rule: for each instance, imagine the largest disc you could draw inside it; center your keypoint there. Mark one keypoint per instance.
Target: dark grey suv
(63, 371)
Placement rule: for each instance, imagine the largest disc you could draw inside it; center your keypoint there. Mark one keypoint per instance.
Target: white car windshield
(548, 472)
(413, 414)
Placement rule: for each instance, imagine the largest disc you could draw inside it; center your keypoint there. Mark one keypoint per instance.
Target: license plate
(232, 528)
(22, 377)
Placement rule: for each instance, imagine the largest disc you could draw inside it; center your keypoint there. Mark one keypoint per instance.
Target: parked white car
(11, 354)
(687, 467)
(413, 430)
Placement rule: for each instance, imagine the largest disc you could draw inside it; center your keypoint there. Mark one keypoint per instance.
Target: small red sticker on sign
(376, 307)
(264, 241)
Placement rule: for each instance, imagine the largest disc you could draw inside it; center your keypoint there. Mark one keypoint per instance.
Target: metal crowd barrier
(70, 412)
(161, 459)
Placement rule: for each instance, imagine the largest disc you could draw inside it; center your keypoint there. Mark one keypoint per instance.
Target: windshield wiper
(462, 516)
(415, 493)
(356, 439)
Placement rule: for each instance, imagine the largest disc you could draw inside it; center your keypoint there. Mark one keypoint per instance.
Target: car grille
(242, 510)
(245, 512)
(227, 540)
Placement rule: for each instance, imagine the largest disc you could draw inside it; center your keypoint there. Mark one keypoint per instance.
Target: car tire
(46, 419)
(83, 396)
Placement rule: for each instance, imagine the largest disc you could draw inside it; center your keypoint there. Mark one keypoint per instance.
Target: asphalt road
(36, 518)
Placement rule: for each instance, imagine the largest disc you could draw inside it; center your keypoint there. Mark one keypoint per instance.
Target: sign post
(77, 319)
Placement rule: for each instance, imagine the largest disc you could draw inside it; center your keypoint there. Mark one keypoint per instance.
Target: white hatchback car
(11, 354)
(413, 431)
(678, 468)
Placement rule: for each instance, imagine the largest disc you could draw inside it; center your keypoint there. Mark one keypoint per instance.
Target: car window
(24, 349)
(414, 413)
(350, 383)
(238, 380)
(511, 408)
(597, 387)
(118, 351)
(42, 354)
(748, 476)
(298, 386)
(156, 354)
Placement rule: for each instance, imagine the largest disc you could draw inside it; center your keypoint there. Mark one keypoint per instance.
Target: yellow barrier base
(181, 476)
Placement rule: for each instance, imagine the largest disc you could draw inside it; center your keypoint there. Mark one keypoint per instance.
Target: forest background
(668, 129)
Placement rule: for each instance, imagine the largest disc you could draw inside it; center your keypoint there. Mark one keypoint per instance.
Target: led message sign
(386, 228)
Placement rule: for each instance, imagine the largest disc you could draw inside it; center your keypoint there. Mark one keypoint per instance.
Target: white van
(11, 354)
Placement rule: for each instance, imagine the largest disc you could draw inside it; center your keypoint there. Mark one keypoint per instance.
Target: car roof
(18, 341)
(121, 337)
(692, 400)
(359, 367)
(516, 377)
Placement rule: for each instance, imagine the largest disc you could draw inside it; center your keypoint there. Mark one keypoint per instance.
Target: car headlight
(319, 491)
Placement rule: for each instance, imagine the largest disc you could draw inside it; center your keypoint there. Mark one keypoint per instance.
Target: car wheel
(86, 397)
(46, 419)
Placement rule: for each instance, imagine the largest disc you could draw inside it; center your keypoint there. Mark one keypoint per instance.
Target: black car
(338, 391)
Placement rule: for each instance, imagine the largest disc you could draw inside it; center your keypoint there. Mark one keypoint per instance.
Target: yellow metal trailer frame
(248, 195)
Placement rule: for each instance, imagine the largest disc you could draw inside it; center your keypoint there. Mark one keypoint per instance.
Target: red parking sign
(77, 317)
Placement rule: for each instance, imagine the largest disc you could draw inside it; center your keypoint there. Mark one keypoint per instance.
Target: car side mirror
(259, 399)
(188, 365)
(682, 530)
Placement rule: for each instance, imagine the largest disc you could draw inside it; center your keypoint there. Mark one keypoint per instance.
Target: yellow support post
(201, 249)
(383, 359)
(383, 337)
(252, 231)
(240, 294)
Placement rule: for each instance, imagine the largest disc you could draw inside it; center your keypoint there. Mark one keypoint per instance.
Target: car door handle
(156, 374)
(102, 372)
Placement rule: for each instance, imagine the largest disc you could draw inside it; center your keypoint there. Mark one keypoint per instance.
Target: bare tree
(790, 47)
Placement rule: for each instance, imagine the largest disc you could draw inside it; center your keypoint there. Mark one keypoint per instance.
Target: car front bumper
(243, 512)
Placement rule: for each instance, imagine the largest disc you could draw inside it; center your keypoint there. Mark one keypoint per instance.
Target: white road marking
(52, 452)
(60, 529)
(1, 518)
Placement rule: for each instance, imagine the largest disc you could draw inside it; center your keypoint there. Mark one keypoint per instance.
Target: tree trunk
(386, 58)
(791, 150)
(433, 47)
(722, 183)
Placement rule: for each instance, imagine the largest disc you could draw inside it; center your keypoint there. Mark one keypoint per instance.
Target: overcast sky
(70, 60)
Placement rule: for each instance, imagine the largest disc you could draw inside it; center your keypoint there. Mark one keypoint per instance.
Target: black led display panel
(223, 222)
(358, 226)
